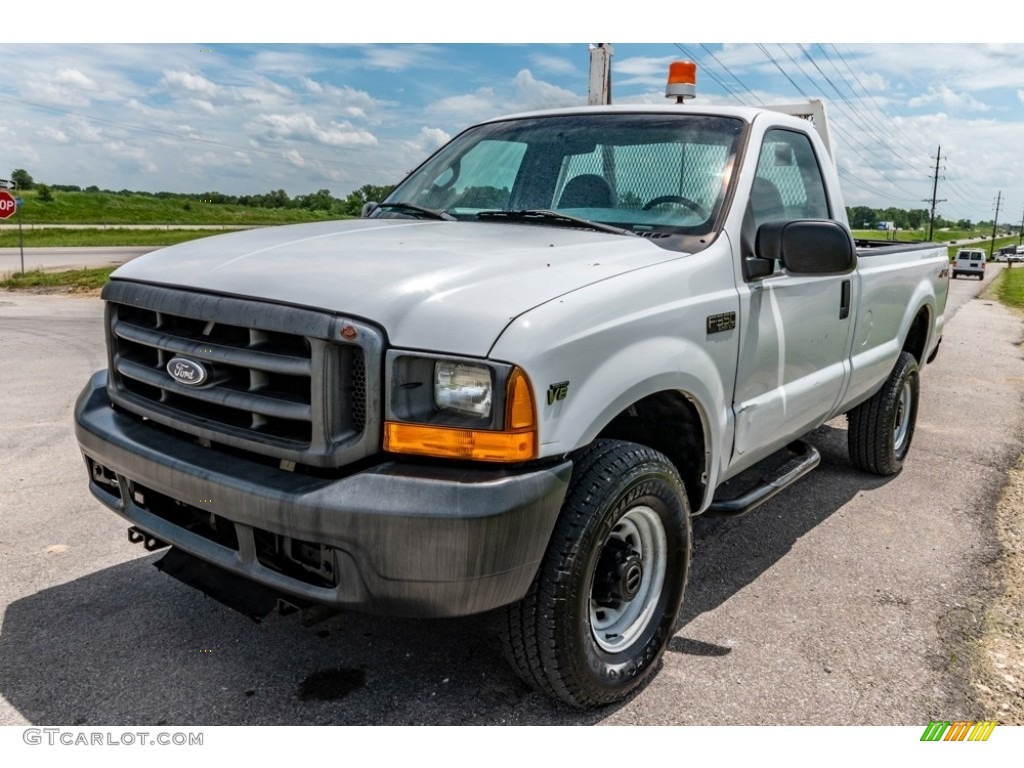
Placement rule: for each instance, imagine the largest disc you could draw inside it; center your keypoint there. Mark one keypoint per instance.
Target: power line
(840, 130)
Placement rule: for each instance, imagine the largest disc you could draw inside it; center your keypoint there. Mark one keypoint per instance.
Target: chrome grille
(281, 381)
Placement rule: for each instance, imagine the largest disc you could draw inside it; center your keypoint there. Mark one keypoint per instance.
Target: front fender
(588, 363)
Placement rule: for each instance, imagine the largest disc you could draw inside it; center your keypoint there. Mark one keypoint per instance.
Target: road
(846, 600)
(69, 258)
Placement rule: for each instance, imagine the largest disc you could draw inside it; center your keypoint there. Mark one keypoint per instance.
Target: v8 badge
(558, 392)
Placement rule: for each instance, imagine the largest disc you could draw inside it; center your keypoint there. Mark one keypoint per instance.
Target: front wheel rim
(628, 579)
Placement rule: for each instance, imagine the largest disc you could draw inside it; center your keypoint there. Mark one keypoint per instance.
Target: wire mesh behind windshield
(643, 172)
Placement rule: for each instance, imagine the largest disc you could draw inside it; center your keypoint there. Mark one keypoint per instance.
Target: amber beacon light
(682, 81)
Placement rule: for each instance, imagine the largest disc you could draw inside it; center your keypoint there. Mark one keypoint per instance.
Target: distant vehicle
(970, 262)
(1009, 253)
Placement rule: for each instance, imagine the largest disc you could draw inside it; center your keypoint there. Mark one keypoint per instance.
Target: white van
(970, 262)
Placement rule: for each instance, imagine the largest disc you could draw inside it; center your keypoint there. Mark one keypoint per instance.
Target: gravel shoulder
(996, 662)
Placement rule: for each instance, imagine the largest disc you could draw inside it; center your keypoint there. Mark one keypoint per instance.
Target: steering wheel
(661, 200)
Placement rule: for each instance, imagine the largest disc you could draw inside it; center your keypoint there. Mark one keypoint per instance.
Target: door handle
(844, 301)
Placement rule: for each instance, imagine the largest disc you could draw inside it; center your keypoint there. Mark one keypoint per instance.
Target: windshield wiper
(553, 217)
(428, 212)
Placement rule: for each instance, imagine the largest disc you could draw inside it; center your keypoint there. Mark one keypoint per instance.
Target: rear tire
(597, 618)
(880, 429)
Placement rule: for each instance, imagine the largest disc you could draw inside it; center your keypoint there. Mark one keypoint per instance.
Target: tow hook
(151, 543)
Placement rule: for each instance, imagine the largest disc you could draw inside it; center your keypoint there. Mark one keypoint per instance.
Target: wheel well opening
(917, 338)
(670, 423)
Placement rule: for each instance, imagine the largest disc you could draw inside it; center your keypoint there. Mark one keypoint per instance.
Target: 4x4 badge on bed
(186, 371)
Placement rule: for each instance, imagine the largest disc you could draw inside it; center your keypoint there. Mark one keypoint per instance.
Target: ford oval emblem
(187, 372)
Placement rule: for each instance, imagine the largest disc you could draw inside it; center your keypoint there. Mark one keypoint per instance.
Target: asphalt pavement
(846, 600)
(68, 258)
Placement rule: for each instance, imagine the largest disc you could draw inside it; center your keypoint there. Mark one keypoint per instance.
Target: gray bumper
(402, 538)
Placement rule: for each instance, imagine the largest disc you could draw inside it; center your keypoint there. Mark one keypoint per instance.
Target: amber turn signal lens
(449, 443)
(519, 402)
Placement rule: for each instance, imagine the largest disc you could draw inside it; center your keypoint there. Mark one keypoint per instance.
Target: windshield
(648, 174)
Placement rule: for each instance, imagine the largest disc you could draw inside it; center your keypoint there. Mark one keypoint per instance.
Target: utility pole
(1020, 234)
(992, 245)
(600, 91)
(935, 189)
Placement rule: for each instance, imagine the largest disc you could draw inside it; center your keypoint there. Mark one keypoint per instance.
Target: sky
(122, 108)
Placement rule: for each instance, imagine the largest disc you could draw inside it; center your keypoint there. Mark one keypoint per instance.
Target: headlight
(463, 388)
(453, 408)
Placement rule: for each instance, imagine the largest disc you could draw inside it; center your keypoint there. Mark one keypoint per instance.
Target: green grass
(1009, 288)
(107, 208)
(66, 238)
(959, 236)
(917, 236)
(74, 280)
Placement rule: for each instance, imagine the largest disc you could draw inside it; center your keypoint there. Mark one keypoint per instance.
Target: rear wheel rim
(901, 427)
(628, 580)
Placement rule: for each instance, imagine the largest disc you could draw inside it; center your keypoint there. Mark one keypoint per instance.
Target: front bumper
(398, 538)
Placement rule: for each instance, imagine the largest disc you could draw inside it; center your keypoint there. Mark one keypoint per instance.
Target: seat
(586, 191)
(766, 202)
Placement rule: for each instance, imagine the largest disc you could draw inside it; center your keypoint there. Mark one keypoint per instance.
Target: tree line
(321, 200)
(863, 217)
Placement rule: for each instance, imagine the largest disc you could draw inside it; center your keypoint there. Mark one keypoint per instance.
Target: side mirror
(807, 247)
(368, 208)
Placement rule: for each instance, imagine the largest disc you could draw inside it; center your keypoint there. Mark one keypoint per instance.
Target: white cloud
(129, 156)
(304, 127)
(945, 96)
(537, 94)
(399, 58)
(524, 93)
(554, 64)
(54, 134)
(76, 78)
(204, 105)
(82, 131)
(201, 90)
(425, 142)
(195, 84)
(467, 107)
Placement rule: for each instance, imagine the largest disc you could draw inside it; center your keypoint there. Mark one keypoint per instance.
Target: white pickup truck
(512, 383)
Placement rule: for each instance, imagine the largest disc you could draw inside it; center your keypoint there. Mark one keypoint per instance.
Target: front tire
(597, 618)
(880, 429)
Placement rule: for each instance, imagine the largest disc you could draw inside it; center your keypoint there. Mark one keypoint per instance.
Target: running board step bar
(806, 459)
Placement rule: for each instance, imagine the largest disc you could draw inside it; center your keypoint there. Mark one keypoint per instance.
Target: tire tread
(530, 627)
(870, 424)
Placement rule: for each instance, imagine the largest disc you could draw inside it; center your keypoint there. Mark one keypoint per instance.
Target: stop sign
(7, 204)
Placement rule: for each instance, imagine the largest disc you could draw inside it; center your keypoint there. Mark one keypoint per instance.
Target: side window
(788, 184)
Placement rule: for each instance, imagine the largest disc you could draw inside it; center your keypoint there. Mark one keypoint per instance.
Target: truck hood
(432, 285)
